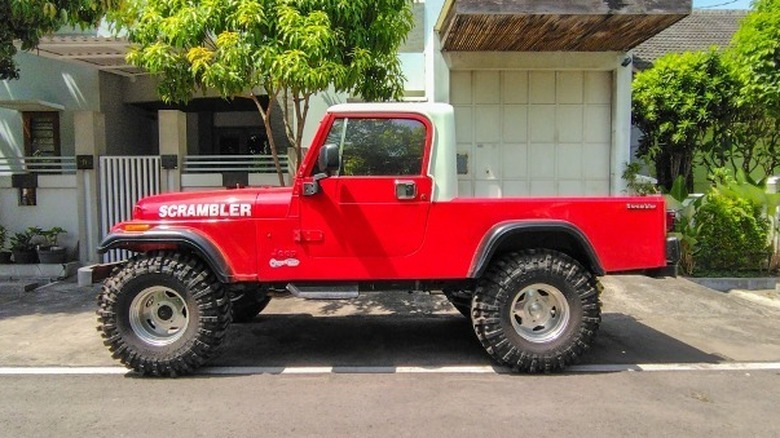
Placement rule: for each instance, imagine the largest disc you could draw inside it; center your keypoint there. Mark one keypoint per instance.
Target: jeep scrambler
(374, 206)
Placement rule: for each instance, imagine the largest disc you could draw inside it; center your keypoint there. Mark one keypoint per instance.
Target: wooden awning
(102, 53)
(555, 25)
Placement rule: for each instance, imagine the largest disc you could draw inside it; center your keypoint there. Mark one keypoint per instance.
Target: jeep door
(376, 204)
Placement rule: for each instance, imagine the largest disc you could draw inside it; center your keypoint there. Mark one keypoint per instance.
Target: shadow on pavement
(59, 298)
(390, 302)
(624, 340)
(296, 340)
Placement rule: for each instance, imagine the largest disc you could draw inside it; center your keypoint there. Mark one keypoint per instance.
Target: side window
(379, 147)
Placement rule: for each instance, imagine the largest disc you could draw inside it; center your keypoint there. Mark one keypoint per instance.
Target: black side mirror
(327, 163)
(329, 160)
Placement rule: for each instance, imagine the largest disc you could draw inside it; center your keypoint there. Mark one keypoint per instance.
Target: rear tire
(536, 311)
(164, 314)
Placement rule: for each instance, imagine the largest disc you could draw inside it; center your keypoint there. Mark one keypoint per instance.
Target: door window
(379, 147)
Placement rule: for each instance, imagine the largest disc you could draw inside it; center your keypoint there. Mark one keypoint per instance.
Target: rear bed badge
(641, 206)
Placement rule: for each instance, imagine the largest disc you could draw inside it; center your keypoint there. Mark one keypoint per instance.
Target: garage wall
(533, 133)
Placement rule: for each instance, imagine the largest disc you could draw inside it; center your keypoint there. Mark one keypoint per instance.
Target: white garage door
(534, 133)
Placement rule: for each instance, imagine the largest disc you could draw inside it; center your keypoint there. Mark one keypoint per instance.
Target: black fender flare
(189, 238)
(505, 230)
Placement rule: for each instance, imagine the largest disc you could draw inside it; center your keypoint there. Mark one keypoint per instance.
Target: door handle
(405, 190)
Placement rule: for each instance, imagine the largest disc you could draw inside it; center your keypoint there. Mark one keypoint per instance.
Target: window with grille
(41, 134)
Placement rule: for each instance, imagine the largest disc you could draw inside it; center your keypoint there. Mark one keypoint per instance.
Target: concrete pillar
(773, 186)
(90, 136)
(621, 123)
(437, 73)
(173, 141)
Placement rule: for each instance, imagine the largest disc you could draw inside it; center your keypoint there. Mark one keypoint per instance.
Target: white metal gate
(123, 181)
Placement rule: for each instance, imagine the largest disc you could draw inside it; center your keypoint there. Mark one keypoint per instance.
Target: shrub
(639, 185)
(685, 225)
(733, 235)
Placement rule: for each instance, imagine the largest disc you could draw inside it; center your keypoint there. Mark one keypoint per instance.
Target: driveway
(403, 365)
(645, 321)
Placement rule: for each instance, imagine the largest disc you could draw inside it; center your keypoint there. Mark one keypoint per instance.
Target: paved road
(645, 321)
(710, 404)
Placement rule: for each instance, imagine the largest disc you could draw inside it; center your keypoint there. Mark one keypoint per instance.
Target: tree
(29, 20)
(756, 48)
(756, 53)
(288, 49)
(746, 139)
(676, 104)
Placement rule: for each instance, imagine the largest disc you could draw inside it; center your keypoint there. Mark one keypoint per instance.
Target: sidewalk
(645, 320)
(52, 325)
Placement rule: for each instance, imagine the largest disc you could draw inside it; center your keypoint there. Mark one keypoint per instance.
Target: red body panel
(355, 228)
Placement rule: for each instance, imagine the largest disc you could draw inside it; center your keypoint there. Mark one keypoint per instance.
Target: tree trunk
(265, 114)
(662, 171)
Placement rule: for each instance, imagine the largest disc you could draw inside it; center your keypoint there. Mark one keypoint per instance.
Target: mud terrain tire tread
(493, 298)
(209, 314)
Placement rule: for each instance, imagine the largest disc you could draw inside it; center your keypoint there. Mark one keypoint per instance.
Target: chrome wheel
(540, 313)
(159, 315)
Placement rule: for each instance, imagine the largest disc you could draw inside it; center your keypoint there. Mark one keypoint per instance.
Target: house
(541, 90)
(700, 30)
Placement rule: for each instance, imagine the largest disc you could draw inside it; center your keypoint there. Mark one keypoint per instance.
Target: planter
(25, 257)
(52, 255)
(5, 257)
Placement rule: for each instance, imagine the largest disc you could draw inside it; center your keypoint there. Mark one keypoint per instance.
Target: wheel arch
(555, 235)
(200, 245)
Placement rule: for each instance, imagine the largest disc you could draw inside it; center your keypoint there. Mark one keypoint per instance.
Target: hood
(268, 202)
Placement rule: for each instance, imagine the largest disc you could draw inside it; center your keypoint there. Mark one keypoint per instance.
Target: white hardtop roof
(429, 109)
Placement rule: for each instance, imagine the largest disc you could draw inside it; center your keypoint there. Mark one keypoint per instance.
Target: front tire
(248, 304)
(164, 314)
(536, 311)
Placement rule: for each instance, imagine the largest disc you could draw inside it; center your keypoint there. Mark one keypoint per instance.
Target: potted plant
(23, 248)
(50, 251)
(5, 256)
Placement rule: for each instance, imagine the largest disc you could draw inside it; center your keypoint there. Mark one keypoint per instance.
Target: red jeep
(374, 206)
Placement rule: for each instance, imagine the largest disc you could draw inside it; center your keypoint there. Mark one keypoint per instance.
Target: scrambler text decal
(205, 210)
(648, 206)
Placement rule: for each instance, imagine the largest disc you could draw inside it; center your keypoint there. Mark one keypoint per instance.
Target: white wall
(57, 200)
(318, 105)
(191, 182)
(413, 65)
(70, 85)
(437, 73)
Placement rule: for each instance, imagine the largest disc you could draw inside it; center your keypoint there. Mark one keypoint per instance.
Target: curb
(18, 287)
(726, 284)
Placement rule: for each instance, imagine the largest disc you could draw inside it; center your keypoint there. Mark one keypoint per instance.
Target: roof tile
(698, 31)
